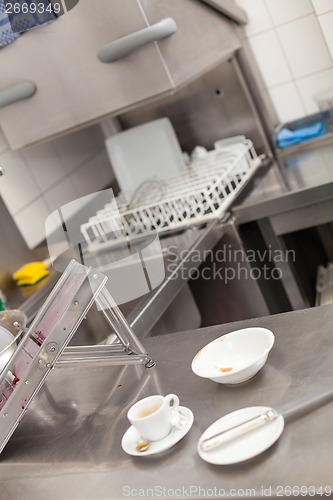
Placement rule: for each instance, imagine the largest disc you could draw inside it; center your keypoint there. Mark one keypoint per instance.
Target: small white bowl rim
(241, 368)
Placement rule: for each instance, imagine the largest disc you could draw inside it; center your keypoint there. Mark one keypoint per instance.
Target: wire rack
(324, 286)
(201, 194)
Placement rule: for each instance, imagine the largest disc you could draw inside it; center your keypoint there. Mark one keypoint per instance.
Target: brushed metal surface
(214, 106)
(82, 88)
(294, 196)
(13, 249)
(293, 288)
(223, 300)
(203, 39)
(68, 445)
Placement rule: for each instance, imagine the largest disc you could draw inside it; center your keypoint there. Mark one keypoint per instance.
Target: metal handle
(17, 93)
(128, 44)
(229, 434)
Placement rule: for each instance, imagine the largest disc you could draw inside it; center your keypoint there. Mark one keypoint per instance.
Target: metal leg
(289, 280)
(250, 299)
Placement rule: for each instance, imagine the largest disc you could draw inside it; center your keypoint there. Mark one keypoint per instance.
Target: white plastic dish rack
(195, 197)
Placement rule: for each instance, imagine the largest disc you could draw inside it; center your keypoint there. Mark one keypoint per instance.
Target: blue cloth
(286, 137)
(6, 33)
(26, 21)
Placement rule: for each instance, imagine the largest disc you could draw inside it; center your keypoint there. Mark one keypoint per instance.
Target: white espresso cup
(152, 416)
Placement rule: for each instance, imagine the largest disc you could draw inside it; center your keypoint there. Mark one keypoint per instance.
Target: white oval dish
(246, 446)
(234, 357)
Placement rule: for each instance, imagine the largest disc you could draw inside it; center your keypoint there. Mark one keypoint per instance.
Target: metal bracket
(45, 340)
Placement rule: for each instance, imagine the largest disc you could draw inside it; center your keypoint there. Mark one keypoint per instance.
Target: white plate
(147, 151)
(132, 437)
(244, 447)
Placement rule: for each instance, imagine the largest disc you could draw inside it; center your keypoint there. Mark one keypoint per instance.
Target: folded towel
(286, 138)
(6, 33)
(21, 21)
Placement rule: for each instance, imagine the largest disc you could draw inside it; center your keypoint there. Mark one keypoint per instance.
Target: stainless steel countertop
(68, 444)
(302, 179)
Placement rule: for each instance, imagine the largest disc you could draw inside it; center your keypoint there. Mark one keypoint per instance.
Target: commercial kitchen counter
(303, 179)
(68, 444)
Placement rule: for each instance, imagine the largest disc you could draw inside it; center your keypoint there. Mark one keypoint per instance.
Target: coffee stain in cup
(148, 411)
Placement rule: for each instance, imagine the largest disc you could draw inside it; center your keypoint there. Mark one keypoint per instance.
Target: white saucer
(132, 437)
(244, 447)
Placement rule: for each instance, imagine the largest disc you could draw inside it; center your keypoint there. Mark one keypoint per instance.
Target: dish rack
(201, 194)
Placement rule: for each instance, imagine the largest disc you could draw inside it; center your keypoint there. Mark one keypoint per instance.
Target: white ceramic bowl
(5, 338)
(235, 357)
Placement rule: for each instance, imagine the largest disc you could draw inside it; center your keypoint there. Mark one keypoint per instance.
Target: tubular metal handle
(240, 429)
(128, 44)
(16, 93)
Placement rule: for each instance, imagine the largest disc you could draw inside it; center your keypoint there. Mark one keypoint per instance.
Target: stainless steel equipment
(52, 329)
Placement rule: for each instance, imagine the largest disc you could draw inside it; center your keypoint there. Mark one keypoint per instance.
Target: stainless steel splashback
(213, 107)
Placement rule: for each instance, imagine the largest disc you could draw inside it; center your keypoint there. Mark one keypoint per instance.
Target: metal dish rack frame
(203, 193)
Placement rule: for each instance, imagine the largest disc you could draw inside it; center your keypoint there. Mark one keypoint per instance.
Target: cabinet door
(204, 37)
(73, 86)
